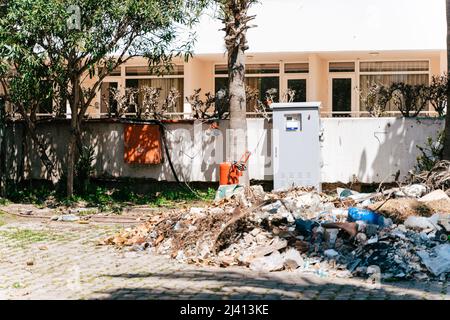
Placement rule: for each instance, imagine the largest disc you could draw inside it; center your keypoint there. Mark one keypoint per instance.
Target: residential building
(326, 50)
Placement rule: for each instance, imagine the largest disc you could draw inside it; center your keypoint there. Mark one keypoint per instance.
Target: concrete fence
(366, 149)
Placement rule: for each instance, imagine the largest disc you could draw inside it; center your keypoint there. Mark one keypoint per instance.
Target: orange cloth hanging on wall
(142, 144)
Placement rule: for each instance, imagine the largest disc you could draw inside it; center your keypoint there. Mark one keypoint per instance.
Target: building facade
(328, 51)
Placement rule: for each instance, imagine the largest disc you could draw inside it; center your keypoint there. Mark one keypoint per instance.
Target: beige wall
(199, 71)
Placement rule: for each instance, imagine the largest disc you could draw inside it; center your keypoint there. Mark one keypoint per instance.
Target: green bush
(431, 153)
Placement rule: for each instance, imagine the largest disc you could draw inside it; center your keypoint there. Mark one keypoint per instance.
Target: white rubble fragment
(177, 226)
(331, 235)
(273, 262)
(292, 259)
(68, 218)
(255, 232)
(372, 240)
(421, 223)
(310, 202)
(261, 238)
(434, 196)
(373, 269)
(258, 192)
(273, 207)
(216, 211)
(180, 255)
(412, 191)
(195, 210)
(331, 253)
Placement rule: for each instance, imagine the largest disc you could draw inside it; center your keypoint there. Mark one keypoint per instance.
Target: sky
(336, 25)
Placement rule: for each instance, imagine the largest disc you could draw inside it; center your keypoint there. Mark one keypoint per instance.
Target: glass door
(342, 95)
(295, 90)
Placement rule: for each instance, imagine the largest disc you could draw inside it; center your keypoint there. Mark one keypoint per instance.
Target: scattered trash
(304, 230)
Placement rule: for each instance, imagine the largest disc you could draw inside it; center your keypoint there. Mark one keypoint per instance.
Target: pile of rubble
(398, 233)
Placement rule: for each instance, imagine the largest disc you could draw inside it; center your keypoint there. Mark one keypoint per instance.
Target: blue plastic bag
(367, 216)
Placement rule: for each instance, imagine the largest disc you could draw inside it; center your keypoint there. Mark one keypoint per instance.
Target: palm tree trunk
(238, 108)
(446, 154)
(71, 154)
(236, 23)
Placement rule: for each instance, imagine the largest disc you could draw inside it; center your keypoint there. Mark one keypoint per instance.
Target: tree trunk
(40, 145)
(446, 154)
(3, 175)
(238, 118)
(72, 147)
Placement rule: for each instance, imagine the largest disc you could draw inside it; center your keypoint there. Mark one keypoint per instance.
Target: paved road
(57, 260)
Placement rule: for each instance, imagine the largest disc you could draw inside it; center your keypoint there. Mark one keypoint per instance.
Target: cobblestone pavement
(57, 260)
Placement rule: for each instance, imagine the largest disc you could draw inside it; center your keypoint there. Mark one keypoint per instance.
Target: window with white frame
(389, 72)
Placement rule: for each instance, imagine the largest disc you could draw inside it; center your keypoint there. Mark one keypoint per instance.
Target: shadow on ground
(218, 285)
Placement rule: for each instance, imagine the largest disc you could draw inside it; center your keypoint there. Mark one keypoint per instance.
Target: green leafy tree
(80, 40)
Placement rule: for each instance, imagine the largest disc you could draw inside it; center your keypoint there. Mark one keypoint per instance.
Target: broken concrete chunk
(292, 259)
(258, 192)
(435, 196)
(438, 261)
(273, 262)
(255, 232)
(331, 253)
(273, 207)
(310, 202)
(263, 250)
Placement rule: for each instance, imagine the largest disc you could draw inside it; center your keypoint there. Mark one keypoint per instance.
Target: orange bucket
(224, 172)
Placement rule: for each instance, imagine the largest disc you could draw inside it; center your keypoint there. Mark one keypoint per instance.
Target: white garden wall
(366, 149)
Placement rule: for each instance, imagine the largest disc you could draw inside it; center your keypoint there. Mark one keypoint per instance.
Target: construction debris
(350, 234)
